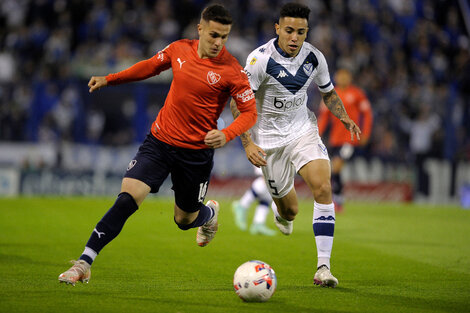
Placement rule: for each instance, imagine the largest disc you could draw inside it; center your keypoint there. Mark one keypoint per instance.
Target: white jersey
(281, 84)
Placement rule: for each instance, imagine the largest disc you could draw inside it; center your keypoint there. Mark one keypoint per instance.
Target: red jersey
(198, 94)
(359, 110)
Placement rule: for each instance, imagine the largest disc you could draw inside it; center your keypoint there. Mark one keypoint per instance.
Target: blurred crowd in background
(412, 58)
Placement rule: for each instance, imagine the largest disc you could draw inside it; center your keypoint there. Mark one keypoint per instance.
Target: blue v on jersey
(281, 84)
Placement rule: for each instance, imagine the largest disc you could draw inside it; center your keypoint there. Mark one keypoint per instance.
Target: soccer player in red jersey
(184, 135)
(340, 144)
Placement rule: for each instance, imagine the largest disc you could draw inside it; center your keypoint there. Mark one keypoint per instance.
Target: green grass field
(387, 257)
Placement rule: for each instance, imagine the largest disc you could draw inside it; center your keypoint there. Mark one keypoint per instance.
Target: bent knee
(290, 213)
(183, 224)
(181, 221)
(322, 191)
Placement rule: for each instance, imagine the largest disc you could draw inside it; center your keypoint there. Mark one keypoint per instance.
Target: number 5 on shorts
(274, 188)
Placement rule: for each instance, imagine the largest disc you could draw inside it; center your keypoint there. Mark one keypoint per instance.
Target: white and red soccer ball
(254, 281)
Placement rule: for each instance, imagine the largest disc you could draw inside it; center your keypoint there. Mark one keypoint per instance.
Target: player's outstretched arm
(253, 152)
(335, 105)
(96, 82)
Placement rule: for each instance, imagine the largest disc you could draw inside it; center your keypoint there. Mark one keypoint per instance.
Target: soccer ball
(254, 281)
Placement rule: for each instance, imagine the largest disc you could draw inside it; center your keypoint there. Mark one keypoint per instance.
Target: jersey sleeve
(323, 118)
(143, 69)
(244, 97)
(322, 79)
(255, 70)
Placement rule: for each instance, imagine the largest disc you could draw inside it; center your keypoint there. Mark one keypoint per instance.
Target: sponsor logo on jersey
(180, 62)
(160, 56)
(155, 127)
(282, 74)
(131, 164)
(212, 78)
(262, 50)
(289, 104)
(308, 69)
(246, 95)
(253, 61)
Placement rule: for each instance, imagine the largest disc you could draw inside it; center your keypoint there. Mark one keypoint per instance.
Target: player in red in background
(340, 144)
(183, 136)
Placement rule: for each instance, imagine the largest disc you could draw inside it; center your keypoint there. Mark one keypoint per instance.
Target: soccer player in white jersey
(285, 139)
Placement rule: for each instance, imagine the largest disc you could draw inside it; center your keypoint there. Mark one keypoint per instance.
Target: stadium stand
(411, 57)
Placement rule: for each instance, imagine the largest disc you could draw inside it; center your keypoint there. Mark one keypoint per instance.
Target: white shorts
(284, 162)
(258, 171)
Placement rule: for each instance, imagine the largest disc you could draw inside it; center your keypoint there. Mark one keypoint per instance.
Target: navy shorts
(190, 170)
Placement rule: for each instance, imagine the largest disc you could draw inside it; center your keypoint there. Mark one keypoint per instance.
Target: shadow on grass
(414, 303)
(19, 259)
(230, 304)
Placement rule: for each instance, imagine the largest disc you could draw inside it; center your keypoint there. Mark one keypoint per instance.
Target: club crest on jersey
(253, 61)
(323, 149)
(212, 78)
(308, 68)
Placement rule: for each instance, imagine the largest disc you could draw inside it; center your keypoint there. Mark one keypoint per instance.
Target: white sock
(274, 209)
(247, 199)
(323, 228)
(260, 214)
(278, 216)
(262, 192)
(90, 252)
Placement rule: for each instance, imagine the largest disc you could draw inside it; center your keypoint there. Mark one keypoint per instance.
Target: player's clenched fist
(96, 82)
(215, 139)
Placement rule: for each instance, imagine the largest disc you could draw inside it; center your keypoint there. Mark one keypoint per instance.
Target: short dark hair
(295, 10)
(217, 13)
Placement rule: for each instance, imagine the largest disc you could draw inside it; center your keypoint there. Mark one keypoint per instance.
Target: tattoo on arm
(245, 137)
(334, 104)
(234, 109)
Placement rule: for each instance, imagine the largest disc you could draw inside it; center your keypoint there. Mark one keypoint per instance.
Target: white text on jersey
(289, 104)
